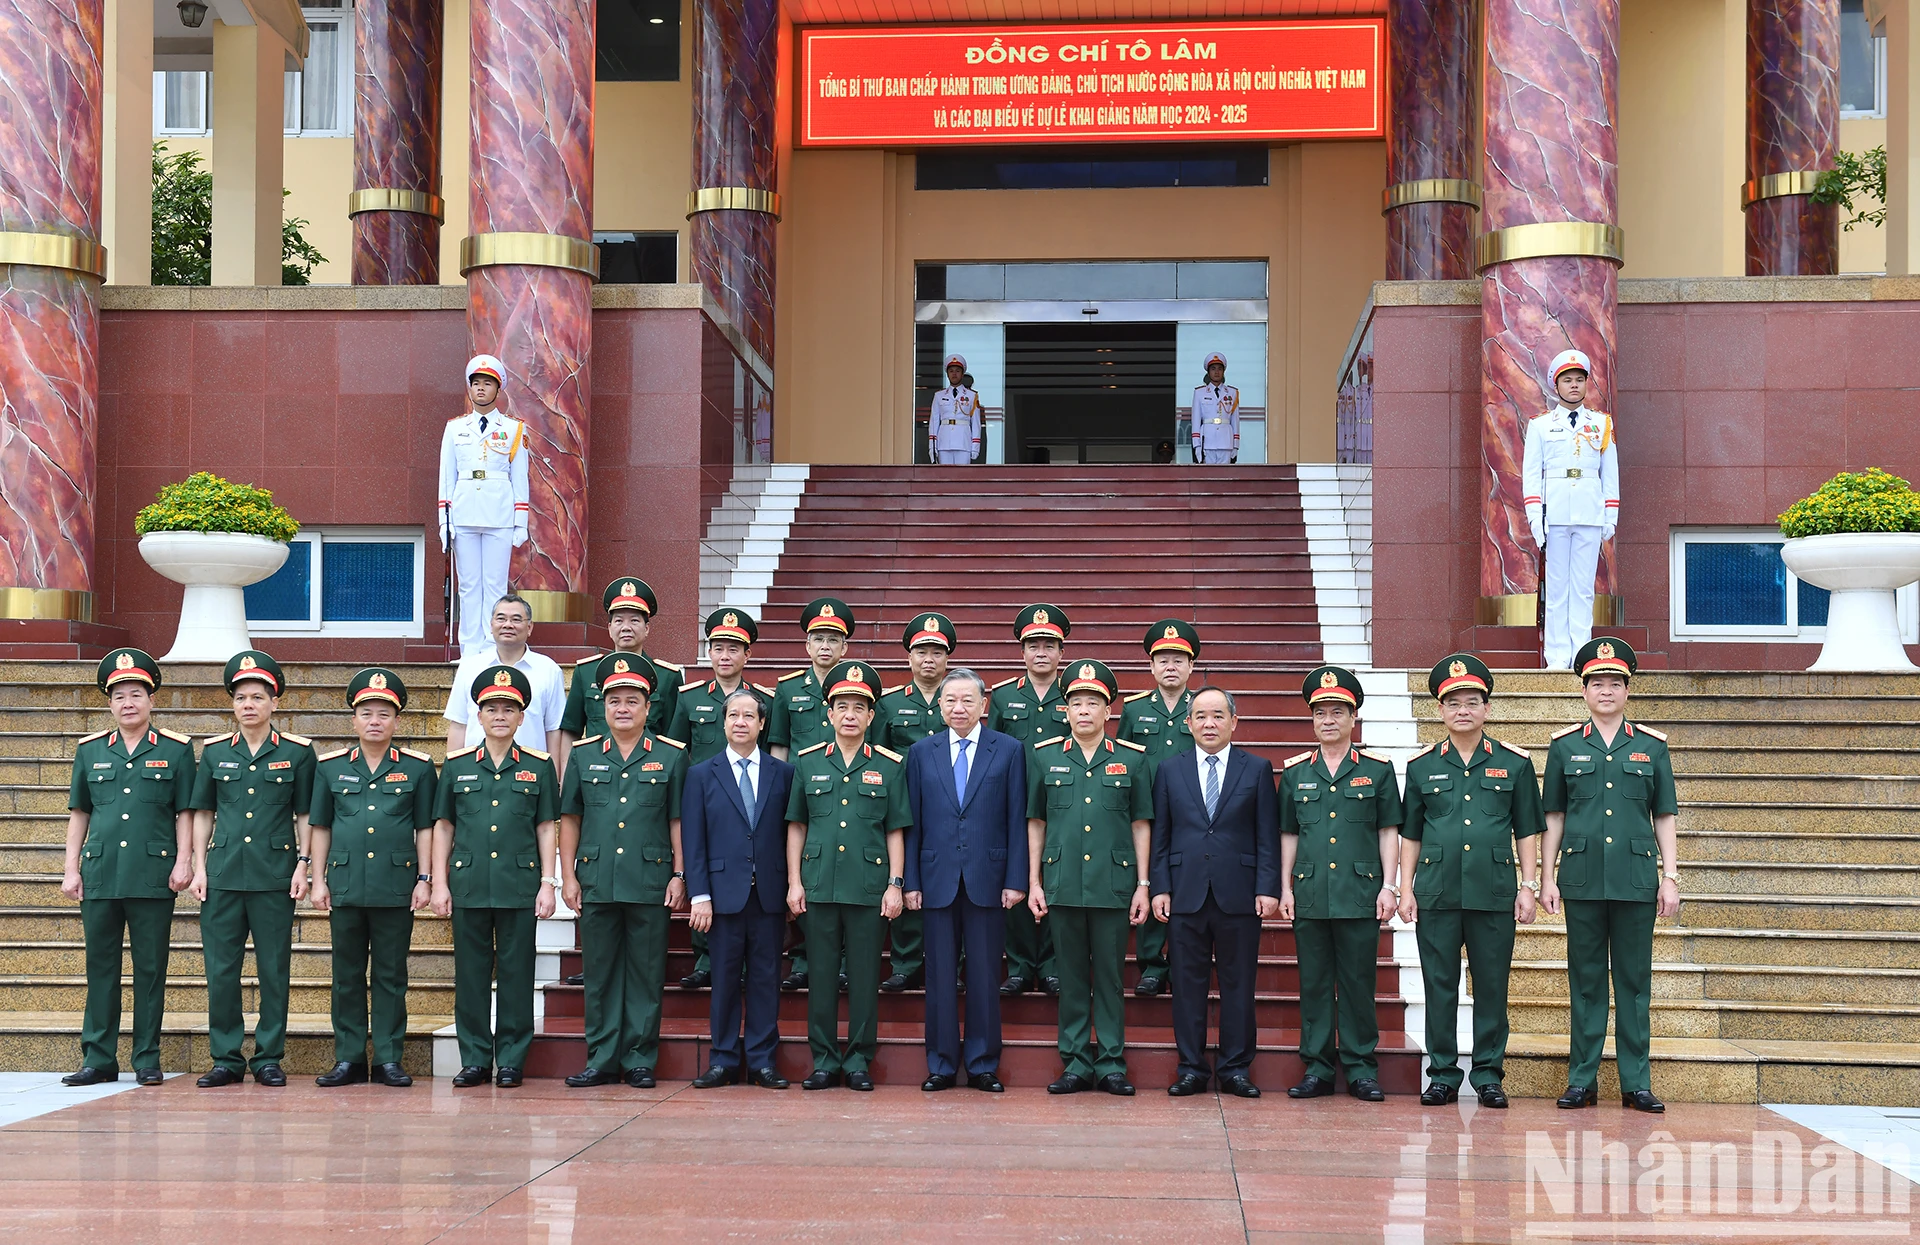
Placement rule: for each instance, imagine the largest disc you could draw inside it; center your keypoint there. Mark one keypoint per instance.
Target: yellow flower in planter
(1868, 501)
(204, 502)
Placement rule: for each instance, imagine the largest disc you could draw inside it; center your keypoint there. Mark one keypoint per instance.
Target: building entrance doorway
(1090, 393)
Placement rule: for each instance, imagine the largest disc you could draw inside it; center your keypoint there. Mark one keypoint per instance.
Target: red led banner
(916, 86)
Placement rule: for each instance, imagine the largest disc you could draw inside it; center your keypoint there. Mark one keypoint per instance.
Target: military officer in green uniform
(700, 717)
(799, 721)
(1032, 707)
(846, 870)
(1156, 719)
(1471, 805)
(493, 825)
(906, 715)
(1613, 859)
(620, 870)
(129, 851)
(630, 606)
(1339, 856)
(251, 796)
(1089, 815)
(371, 837)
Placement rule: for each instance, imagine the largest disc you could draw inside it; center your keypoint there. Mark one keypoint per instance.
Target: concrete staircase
(1792, 973)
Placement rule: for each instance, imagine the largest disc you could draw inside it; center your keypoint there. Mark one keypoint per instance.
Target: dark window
(1086, 168)
(638, 41)
(638, 258)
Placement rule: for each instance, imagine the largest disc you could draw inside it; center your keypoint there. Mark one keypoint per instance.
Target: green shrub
(203, 502)
(1866, 501)
(183, 226)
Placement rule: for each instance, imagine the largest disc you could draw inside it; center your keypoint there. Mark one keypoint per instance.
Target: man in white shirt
(540, 728)
(954, 422)
(484, 505)
(1570, 471)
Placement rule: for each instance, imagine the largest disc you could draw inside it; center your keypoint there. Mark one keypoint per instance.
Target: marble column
(396, 142)
(530, 264)
(735, 84)
(51, 95)
(1430, 195)
(1551, 185)
(1793, 127)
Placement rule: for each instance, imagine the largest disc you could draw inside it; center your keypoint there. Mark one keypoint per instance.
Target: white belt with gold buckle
(1574, 473)
(477, 475)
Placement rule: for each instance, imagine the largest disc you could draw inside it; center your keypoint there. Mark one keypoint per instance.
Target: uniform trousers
(1620, 931)
(147, 925)
(907, 943)
(382, 937)
(481, 556)
(1090, 948)
(955, 458)
(1487, 937)
(854, 931)
(1029, 945)
(1573, 555)
(1338, 961)
(1150, 948)
(623, 956)
(226, 918)
(493, 945)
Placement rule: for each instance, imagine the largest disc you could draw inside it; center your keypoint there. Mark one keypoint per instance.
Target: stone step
(1747, 983)
(34, 1041)
(310, 961)
(1725, 759)
(1806, 948)
(46, 924)
(1852, 786)
(309, 994)
(1735, 1019)
(1800, 912)
(1807, 817)
(1732, 847)
(1768, 879)
(1742, 1070)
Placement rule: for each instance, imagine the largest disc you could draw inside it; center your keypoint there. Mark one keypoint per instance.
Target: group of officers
(371, 834)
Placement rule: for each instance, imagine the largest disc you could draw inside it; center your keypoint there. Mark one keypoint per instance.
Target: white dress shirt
(973, 748)
(1201, 760)
(543, 714)
(733, 776)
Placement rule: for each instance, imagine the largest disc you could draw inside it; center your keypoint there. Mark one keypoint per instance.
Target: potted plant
(1859, 538)
(215, 537)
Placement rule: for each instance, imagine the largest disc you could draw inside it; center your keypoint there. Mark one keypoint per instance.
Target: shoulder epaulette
(1002, 683)
(676, 743)
(667, 665)
(175, 736)
(687, 687)
(588, 661)
(1296, 759)
(87, 739)
(762, 688)
(796, 674)
(888, 753)
(1127, 700)
(588, 740)
(1516, 749)
(1659, 735)
(1371, 755)
(299, 739)
(1429, 748)
(535, 752)
(1041, 743)
(1568, 730)
(888, 691)
(416, 754)
(463, 752)
(1128, 743)
(337, 752)
(813, 748)
(211, 739)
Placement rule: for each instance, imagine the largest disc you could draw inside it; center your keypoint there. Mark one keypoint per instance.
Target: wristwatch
(425, 877)
(1672, 876)
(1532, 884)
(899, 882)
(1391, 887)
(1142, 882)
(553, 882)
(305, 860)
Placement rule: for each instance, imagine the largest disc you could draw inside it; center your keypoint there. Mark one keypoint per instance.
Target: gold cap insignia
(854, 675)
(1604, 652)
(1457, 669)
(620, 666)
(1172, 632)
(1040, 616)
(729, 620)
(246, 661)
(628, 590)
(1086, 672)
(826, 611)
(502, 679)
(376, 680)
(124, 662)
(927, 624)
(1329, 679)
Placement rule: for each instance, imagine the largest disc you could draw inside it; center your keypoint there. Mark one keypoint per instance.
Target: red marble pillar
(50, 170)
(529, 294)
(1793, 126)
(396, 142)
(1552, 84)
(735, 82)
(1430, 91)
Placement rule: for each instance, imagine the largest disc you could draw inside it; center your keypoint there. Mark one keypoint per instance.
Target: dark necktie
(483, 423)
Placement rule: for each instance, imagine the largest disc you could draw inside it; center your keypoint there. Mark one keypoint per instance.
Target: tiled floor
(547, 1166)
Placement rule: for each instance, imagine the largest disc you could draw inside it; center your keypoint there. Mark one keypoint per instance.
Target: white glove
(1536, 523)
(1606, 533)
(443, 538)
(519, 537)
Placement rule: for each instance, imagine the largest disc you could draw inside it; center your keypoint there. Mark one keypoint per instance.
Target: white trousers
(1573, 555)
(480, 559)
(955, 458)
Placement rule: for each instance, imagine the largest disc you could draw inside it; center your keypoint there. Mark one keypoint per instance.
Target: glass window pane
(320, 84)
(1206, 280)
(1735, 585)
(290, 103)
(1095, 281)
(977, 281)
(287, 594)
(1858, 90)
(1813, 605)
(367, 581)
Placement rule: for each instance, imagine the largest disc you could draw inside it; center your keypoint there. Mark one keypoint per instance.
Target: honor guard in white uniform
(483, 498)
(954, 425)
(1216, 416)
(1572, 486)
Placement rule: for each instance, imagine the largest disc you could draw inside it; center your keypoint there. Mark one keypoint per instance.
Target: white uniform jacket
(1571, 470)
(483, 475)
(954, 423)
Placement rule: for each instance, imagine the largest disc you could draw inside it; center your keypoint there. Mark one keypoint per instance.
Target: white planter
(214, 566)
(1862, 570)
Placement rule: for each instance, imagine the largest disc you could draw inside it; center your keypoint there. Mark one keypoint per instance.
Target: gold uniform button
(1331, 839)
(623, 825)
(126, 791)
(623, 799)
(123, 842)
(252, 768)
(843, 847)
(369, 855)
(498, 777)
(843, 802)
(1609, 786)
(1086, 858)
(1609, 758)
(619, 851)
(1089, 829)
(1467, 797)
(1467, 822)
(1609, 813)
(249, 816)
(496, 804)
(369, 808)
(125, 816)
(250, 789)
(1609, 838)
(1466, 847)
(495, 856)
(247, 839)
(1333, 864)
(369, 829)
(1332, 816)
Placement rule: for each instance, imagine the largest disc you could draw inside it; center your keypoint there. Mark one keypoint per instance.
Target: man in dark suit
(733, 832)
(1215, 873)
(966, 863)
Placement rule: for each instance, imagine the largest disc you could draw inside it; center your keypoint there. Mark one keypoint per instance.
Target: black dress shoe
(1013, 985)
(640, 1078)
(390, 1074)
(1117, 1085)
(146, 1076)
(862, 1081)
(1071, 1083)
(218, 1077)
(1050, 986)
(1492, 1095)
(1366, 1089)
(91, 1076)
(1576, 1097)
(1643, 1100)
(1188, 1084)
(698, 979)
(508, 1078)
(986, 1082)
(1438, 1095)
(793, 981)
(470, 1076)
(937, 1082)
(577, 979)
(717, 1076)
(903, 981)
(343, 1073)
(845, 985)
(586, 1078)
(820, 1078)
(1311, 1086)
(1149, 985)
(270, 1075)
(767, 1078)
(1239, 1087)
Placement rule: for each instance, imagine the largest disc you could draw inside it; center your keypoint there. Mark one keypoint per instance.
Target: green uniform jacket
(373, 859)
(626, 810)
(799, 718)
(1016, 711)
(586, 711)
(847, 809)
(1610, 796)
(903, 719)
(1088, 860)
(496, 813)
(699, 718)
(1337, 817)
(1466, 815)
(1144, 720)
(254, 799)
(132, 800)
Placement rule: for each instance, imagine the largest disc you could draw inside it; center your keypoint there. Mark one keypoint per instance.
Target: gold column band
(1430, 190)
(542, 250)
(385, 199)
(1522, 609)
(1778, 186)
(1550, 240)
(54, 250)
(733, 199)
(556, 607)
(65, 604)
